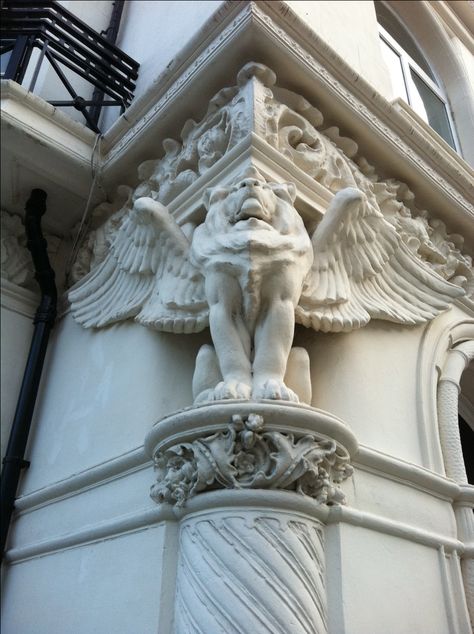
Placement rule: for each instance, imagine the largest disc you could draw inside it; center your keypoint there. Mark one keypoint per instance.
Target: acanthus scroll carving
(246, 456)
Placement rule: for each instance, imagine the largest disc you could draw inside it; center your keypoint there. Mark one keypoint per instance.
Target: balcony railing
(68, 45)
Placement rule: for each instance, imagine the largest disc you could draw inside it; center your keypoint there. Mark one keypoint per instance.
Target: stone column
(448, 397)
(251, 483)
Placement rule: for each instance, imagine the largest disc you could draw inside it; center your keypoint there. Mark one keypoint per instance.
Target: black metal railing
(68, 44)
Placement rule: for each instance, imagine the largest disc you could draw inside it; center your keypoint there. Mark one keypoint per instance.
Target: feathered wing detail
(146, 275)
(362, 270)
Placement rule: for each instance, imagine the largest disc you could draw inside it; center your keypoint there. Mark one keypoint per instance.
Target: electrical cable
(96, 169)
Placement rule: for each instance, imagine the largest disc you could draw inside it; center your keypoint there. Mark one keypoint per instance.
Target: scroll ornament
(245, 456)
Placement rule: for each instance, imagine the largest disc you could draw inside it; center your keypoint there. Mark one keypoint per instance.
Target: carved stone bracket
(251, 450)
(295, 129)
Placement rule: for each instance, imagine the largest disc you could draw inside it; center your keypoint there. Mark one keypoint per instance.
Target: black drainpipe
(14, 461)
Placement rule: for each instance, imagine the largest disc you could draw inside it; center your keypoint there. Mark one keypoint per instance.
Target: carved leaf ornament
(245, 456)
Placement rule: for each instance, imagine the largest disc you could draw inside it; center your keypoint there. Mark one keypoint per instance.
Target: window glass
(411, 76)
(467, 443)
(4, 59)
(434, 108)
(394, 63)
(400, 34)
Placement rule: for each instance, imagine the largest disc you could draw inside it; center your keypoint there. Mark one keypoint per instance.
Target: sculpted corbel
(295, 128)
(251, 271)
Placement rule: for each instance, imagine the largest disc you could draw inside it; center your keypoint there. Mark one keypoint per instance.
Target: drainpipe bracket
(24, 464)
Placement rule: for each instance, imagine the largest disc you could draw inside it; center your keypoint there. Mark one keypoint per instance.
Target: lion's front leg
(230, 337)
(273, 339)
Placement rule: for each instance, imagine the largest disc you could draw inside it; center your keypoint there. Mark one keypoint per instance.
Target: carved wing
(362, 270)
(146, 275)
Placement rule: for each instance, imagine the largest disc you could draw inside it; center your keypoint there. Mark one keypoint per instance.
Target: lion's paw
(229, 390)
(274, 390)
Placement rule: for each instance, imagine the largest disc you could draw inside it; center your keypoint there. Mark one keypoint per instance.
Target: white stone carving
(17, 265)
(106, 219)
(293, 126)
(248, 571)
(250, 269)
(246, 455)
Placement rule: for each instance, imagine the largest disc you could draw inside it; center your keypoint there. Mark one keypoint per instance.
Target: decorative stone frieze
(245, 455)
(17, 265)
(295, 128)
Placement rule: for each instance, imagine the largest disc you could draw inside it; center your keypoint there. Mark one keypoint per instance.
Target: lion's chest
(249, 255)
(264, 263)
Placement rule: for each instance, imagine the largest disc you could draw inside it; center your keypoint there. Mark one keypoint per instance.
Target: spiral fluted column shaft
(244, 571)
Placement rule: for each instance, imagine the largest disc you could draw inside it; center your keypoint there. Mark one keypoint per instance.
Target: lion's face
(251, 204)
(250, 224)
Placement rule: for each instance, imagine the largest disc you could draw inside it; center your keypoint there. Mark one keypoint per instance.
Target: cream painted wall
(408, 596)
(106, 581)
(164, 28)
(105, 390)
(16, 331)
(368, 378)
(351, 30)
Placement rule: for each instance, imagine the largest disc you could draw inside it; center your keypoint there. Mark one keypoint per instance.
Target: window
(412, 78)
(466, 434)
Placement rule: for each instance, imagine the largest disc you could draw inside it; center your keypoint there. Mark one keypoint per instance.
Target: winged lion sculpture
(250, 271)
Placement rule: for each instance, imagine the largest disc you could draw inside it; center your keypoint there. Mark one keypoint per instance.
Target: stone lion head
(251, 204)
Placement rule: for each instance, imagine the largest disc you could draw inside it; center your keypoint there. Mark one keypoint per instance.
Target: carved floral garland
(244, 456)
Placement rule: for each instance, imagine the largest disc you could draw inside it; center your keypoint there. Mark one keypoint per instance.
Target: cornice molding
(367, 458)
(392, 132)
(76, 139)
(232, 499)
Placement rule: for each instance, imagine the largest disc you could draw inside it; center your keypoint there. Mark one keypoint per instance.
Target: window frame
(408, 64)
